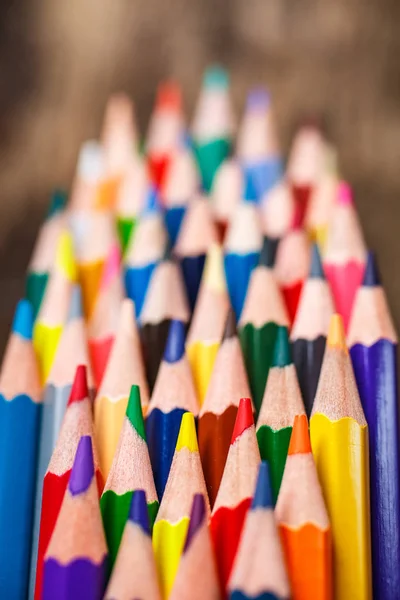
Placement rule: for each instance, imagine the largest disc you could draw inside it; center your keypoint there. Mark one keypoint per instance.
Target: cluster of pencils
(198, 399)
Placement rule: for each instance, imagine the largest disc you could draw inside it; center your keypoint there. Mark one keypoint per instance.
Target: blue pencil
(20, 406)
(174, 394)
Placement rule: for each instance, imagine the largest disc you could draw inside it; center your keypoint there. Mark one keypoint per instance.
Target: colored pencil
(339, 439)
(134, 574)
(20, 406)
(208, 321)
(119, 136)
(165, 301)
(77, 422)
(184, 481)
(88, 174)
(259, 571)
(320, 207)
(197, 558)
(281, 403)
(235, 492)
(226, 194)
(227, 385)
(44, 251)
(305, 165)
(197, 233)
(345, 253)
(181, 184)
(242, 249)
(257, 145)
(144, 251)
(278, 213)
(54, 308)
(213, 125)
(131, 200)
(263, 312)
(373, 348)
(310, 328)
(304, 522)
(124, 368)
(173, 395)
(130, 471)
(291, 267)
(166, 130)
(75, 564)
(103, 324)
(94, 234)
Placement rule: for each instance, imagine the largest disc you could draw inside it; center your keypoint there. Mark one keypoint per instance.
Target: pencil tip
(299, 439)
(83, 468)
(282, 356)
(345, 195)
(138, 512)
(79, 390)
(168, 251)
(216, 76)
(316, 269)
(249, 190)
(244, 418)
(268, 252)
(336, 336)
(65, 259)
(230, 325)
(263, 493)
(197, 516)
(214, 274)
(58, 202)
(75, 307)
(187, 437)
(23, 319)
(371, 275)
(169, 96)
(111, 266)
(175, 345)
(258, 99)
(134, 411)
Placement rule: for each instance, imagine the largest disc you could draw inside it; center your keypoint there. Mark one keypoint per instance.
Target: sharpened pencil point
(65, 259)
(138, 512)
(197, 516)
(263, 493)
(300, 438)
(249, 190)
(75, 307)
(23, 319)
(111, 266)
(316, 269)
(345, 195)
(83, 468)
(230, 325)
(152, 202)
(169, 97)
(58, 202)
(79, 390)
(371, 275)
(258, 99)
(214, 273)
(175, 345)
(336, 336)
(134, 411)
(268, 252)
(244, 418)
(216, 77)
(282, 356)
(187, 437)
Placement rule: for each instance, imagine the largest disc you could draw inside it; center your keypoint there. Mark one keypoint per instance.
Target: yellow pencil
(184, 481)
(339, 439)
(208, 322)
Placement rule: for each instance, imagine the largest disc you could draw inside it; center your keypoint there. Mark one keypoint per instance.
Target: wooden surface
(59, 60)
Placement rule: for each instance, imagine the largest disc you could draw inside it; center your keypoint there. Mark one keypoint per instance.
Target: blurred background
(60, 60)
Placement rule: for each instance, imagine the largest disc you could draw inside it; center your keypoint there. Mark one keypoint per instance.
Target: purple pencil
(373, 347)
(75, 566)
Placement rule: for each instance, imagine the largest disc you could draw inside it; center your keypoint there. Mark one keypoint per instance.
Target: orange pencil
(304, 522)
(125, 367)
(217, 418)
